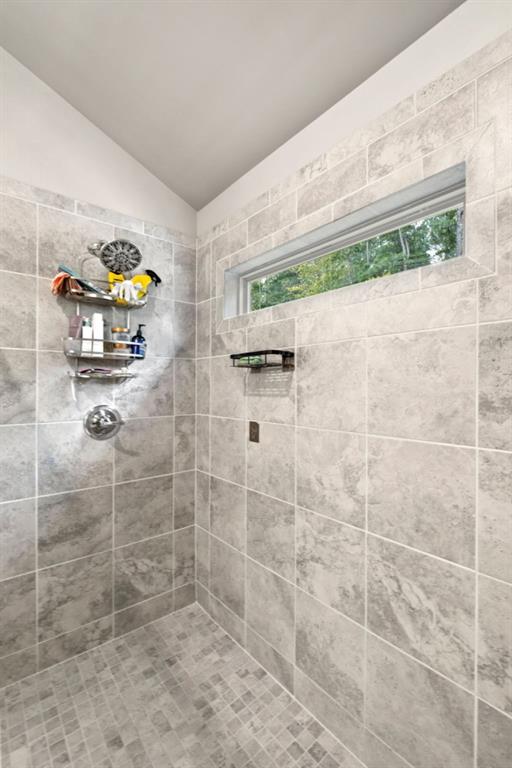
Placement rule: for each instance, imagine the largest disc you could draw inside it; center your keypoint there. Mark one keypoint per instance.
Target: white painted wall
(46, 142)
(467, 29)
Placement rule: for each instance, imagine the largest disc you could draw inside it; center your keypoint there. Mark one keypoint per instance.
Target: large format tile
(53, 315)
(142, 570)
(329, 649)
(203, 500)
(227, 576)
(495, 514)
(17, 386)
(331, 562)
(185, 383)
(185, 329)
(493, 103)
(203, 557)
(72, 643)
(424, 717)
(227, 388)
(270, 659)
(227, 512)
(203, 385)
(151, 393)
(184, 499)
(68, 459)
(18, 665)
(74, 594)
(272, 218)
(271, 462)
(227, 449)
(17, 235)
(184, 443)
(203, 323)
(17, 537)
(339, 181)
(271, 533)
(331, 373)
(331, 474)
(18, 318)
(144, 448)
(17, 459)
(148, 610)
(72, 525)
(184, 556)
(17, 613)
(406, 376)
(270, 608)
(142, 509)
(424, 496)
(184, 273)
(270, 395)
(494, 737)
(495, 643)
(495, 382)
(424, 606)
(341, 323)
(162, 337)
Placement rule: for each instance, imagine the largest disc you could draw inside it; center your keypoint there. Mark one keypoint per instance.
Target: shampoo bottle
(139, 343)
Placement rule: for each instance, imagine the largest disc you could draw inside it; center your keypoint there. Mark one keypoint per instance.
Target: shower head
(117, 256)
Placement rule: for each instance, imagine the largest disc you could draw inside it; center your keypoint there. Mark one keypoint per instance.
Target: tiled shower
(359, 553)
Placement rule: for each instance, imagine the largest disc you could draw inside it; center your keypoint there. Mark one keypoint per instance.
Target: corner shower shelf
(266, 358)
(103, 299)
(73, 348)
(103, 375)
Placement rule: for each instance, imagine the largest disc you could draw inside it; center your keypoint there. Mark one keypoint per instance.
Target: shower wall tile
(331, 474)
(143, 570)
(228, 512)
(17, 386)
(495, 643)
(203, 269)
(185, 383)
(184, 329)
(203, 320)
(270, 396)
(18, 665)
(18, 318)
(495, 298)
(21, 189)
(184, 273)
(53, 314)
(271, 533)
(18, 238)
(143, 448)
(184, 499)
(230, 622)
(203, 500)
(331, 563)
(72, 643)
(161, 330)
(270, 608)
(69, 460)
(338, 325)
(272, 218)
(72, 525)
(227, 449)
(495, 514)
(277, 665)
(406, 590)
(184, 557)
(203, 557)
(73, 594)
(494, 737)
(17, 459)
(495, 413)
(421, 715)
(271, 462)
(344, 178)
(424, 496)
(142, 613)
(142, 509)
(17, 613)
(227, 576)
(184, 443)
(152, 392)
(203, 443)
(203, 386)
(17, 534)
(227, 386)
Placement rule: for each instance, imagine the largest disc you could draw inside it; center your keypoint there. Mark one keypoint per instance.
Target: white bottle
(87, 337)
(97, 334)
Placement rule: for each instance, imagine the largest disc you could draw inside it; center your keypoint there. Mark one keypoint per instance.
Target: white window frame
(432, 195)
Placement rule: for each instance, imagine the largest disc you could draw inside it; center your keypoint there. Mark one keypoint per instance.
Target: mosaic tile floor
(178, 693)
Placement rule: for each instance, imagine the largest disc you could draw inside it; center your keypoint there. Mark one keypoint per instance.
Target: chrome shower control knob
(102, 422)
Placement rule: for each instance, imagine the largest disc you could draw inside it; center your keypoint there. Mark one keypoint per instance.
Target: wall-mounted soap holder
(265, 358)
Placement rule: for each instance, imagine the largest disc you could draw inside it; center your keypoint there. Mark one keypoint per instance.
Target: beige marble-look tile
(73, 594)
(142, 508)
(73, 643)
(203, 500)
(143, 613)
(184, 557)
(270, 659)
(335, 325)
(453, 304)
(331, 474)
(270, 608)
(18, 318)
(495, 298)
(495, 643)
(144, 448)
(185, 383)
(424, 717)
(17, 537)
(64, 238)
(329, 649)
(331, 563)
(17, 459)
(271, 462)
(68, 459)
(227, 576)
(423, 606)
(184, 443)
(152, 392)
(227, 512)
(17, 235)
(184, 499)
(451, 117)
(495, 383)
(494, 737)
(204, 324)
(72, 525)
(227, 386)
(203, 383)
(184, 273)
(18, 665)
(494, 103)
(272, 218)
(495, 515)
(17, 386)
(406, 376)
(203, 557)
(271, 533)
(340, 180)
(331, 373)
(17, 613)
(228, 449)
(424, 496)
(143, 570)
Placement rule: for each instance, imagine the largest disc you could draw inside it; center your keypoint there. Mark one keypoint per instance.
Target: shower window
(418, 226)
